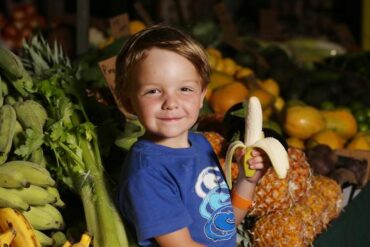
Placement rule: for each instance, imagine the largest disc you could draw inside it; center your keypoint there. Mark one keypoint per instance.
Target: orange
(271, 86)
(243, 73)
(341, 121)
(295, 142)
(266, 98)
(218, 79)
(214, 52)
(230, 66)
(224, 97)
(278, 104)
(327, 137)
(303, 121)
(359, 142)
(136, 26)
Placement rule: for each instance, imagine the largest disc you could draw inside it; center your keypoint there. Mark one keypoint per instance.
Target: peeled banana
(33, 173)
(254, 138)
(25, 236)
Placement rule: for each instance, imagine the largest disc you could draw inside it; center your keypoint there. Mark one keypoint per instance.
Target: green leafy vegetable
(73, 139)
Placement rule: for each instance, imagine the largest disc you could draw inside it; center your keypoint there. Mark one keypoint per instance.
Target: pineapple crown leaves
(39, 56)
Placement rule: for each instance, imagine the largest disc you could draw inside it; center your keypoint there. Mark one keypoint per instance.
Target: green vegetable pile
(49, 79)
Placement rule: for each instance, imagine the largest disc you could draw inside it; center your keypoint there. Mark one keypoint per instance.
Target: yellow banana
(84, 241)
(7, 237)
(25, 235)
(67, 244)
(254, 138)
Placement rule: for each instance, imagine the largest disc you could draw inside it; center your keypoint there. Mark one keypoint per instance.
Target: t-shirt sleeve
(153, 204)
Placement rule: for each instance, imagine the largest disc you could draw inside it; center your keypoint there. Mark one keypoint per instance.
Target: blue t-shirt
(165, 189)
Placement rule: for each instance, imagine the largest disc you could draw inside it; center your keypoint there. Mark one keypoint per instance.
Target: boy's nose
(170, 102)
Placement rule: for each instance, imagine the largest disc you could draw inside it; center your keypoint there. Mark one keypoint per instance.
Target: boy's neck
(175, 142)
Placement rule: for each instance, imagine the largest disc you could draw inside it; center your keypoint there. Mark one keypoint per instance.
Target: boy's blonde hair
(163, 37)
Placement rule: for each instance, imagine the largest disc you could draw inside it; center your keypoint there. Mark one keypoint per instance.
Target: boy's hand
(259, 162)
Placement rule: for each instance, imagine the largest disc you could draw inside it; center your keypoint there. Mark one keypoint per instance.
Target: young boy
(173, 192)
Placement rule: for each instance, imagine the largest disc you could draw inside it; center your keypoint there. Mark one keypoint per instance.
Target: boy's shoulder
(199, 138)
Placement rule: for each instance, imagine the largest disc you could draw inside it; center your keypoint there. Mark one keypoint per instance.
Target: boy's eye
(151, 91)
(186, 89)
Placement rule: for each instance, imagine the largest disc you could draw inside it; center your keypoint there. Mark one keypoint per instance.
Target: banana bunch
(29, 199)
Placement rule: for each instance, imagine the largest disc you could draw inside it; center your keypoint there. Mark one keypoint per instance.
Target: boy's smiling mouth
(169, 119)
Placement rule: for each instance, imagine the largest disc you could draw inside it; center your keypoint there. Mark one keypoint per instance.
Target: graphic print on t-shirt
(215, 207)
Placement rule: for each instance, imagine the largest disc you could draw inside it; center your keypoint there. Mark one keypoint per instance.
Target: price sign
(120, 26)
(108, 68)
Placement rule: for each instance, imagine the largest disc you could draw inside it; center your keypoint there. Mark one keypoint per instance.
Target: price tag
(229, 30)
(108, 68)
(120, 26)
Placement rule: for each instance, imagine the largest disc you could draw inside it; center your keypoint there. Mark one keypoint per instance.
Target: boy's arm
(179, 238)
(245, 189)
(245, 186)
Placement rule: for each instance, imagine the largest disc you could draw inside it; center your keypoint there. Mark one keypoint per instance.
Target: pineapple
(289, 227)
(280, 229)
(332, 193)
(234, 168)
(317, 203)
(216, 140)
(273, 194)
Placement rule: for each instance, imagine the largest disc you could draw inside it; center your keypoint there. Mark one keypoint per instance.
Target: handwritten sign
(230, 33)
(120, 26)
(108, 68)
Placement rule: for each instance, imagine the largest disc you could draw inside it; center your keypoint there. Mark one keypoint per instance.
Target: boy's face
(166, 97)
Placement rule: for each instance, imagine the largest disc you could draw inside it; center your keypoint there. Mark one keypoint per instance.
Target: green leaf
(33, 141)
